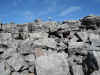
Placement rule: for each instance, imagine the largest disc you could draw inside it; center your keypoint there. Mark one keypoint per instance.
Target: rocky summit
(71, 47)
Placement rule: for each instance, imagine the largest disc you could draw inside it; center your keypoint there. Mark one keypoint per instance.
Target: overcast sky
(22, 11)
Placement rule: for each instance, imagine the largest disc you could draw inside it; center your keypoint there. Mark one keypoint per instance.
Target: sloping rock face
(51, 48)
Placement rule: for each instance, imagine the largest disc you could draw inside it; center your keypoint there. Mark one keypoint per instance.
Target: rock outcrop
(51, 48)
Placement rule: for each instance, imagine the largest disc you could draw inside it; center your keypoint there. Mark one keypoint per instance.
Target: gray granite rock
(30, 59)
(16, 62)
(3, 71)
(54, 64)
(15, 73)
(48, 42)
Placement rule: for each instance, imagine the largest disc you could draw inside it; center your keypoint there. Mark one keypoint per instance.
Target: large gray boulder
(53, 64)
(91, 21)
(26, 47)
(5, 37)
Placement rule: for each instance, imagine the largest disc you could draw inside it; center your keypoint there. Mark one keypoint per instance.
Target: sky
(23, 11)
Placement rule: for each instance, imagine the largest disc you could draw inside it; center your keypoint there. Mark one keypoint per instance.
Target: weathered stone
(54, 64)
(16, 62)
(96, 73)
(39, 52)
(31, 68)
(3, 71)
(94, 36)
(91, 21)
(90, 64)
(1, 51)
(83, 36)
(31, 74)
(76, 44)
(30, 59)
(38, 35)
(9, 53)
(51, 48)
(25, 72)
(77, 70)
(15, 73)
(26, 47)
(48, 42)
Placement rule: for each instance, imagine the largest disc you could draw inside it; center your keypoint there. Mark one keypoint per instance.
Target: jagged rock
(73, 24)
(64, 27)
(9, 53)
(31, 68)
(73, 38)
(83, 36)
(16, 62)
(30, 59)
(15, 43)
(49, 26)
(51, 48)
(26, 47)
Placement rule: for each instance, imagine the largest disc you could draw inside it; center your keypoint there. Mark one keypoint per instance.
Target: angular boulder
(54, 64)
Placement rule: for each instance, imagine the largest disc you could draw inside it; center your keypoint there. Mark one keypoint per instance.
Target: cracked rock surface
(51, 48)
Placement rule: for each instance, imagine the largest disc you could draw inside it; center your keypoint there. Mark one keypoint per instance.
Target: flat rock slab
(53, 64)
(76, 44)
(48, 42)
(38, 35)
